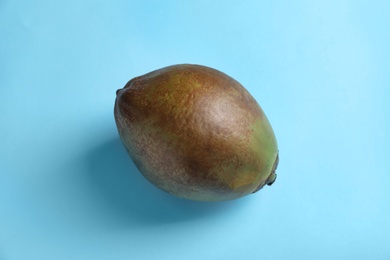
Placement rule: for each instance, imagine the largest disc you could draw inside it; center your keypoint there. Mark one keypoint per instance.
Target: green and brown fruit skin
(196, 133)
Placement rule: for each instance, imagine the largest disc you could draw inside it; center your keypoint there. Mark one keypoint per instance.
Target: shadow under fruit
(196, 133)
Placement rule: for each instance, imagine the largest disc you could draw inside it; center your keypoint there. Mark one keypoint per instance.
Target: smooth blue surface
(319, 69)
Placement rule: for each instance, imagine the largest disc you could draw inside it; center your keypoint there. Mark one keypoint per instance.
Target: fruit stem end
(272, 177)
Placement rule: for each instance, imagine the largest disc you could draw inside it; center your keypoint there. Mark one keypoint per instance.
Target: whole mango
(196, 133)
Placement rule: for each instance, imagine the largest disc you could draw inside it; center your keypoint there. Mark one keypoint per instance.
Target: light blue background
(319, 69)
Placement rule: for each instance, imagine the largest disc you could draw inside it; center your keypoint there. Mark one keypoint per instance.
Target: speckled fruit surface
(196, 133)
